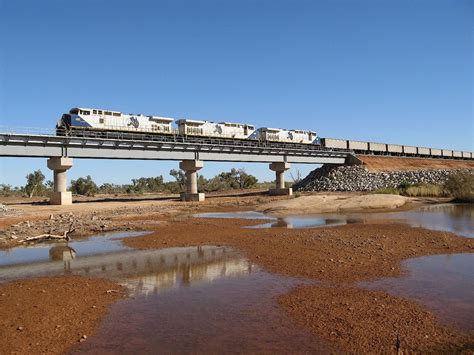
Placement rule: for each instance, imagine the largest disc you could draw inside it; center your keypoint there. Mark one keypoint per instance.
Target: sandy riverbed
(315, 204)
(49, 315)
(338, 257)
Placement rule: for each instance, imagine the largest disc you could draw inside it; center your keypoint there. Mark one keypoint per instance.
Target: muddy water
(98, 244)
(220, 314)
(444, 283)
(188, 299)
(456, 218)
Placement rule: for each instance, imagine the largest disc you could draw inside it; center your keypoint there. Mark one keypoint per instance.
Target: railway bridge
(192, 153)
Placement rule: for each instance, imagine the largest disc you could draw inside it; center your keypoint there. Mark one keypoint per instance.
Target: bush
(35, 185)
(7, 190)
(461, 186)
(84, 186)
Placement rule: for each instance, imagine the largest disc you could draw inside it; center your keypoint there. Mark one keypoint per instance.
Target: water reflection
(456, 218)
(445, 283)
(296, 222)
(98, 244)
(141, 271)
(62, 252)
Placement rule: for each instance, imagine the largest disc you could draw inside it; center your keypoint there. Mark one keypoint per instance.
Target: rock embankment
(359, 178)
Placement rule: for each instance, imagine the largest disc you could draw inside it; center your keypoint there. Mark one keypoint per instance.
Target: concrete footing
(60, 198)
(60, 195)
(190, 168)
(281, 192)
(199, 197)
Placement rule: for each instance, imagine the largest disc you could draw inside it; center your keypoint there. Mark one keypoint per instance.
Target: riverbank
(334, 309)
(49, 315)
(87, 217)
(338, 257)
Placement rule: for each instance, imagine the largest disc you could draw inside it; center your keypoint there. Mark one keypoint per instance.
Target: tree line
(37, 185)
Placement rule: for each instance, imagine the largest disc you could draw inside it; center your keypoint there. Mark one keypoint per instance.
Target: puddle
(98, 244)
(444, 283)
(222, 308)
(189, 299)
(456, 218)
(235, 215)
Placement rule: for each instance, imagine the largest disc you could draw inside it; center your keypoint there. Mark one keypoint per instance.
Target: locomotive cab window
(94, 112)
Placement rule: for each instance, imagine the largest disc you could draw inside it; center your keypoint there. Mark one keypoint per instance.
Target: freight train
(99, 123)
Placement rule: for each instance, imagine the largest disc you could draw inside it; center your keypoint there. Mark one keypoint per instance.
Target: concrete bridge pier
(279, 168)
(60, 195)
(190, 168)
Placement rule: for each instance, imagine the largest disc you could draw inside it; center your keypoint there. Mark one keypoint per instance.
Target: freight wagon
(377, 147)
(334, 143)
(410, 150)
(358, 145)
(394, 148)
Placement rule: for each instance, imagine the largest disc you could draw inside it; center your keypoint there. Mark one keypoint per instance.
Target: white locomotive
(288, 136)
(106, 120)
(90, 120)
(212, 129)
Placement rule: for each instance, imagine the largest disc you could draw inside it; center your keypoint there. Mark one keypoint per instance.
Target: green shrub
(84, 186)
(461, 186)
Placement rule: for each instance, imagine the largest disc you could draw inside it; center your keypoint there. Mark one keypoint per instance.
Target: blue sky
(397, 71)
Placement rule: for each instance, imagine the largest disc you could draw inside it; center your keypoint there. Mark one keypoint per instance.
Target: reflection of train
(99, 123)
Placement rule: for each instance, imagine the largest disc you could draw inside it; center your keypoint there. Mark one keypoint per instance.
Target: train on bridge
(86, 121)
(100, 123)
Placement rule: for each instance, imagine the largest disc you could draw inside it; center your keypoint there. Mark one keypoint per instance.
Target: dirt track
(378, 163)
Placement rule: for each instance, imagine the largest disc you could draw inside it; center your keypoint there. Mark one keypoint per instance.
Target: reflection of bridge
(141, 271)
(192, 152)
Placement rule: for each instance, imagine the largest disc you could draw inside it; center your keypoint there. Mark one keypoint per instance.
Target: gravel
(359, 178)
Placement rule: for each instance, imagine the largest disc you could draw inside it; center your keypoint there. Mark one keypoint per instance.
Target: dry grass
(416, 190)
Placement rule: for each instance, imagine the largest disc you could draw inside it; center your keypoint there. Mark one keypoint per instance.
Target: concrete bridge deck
(60, 151)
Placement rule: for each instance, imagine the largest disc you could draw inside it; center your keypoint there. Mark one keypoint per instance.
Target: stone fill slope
(360, 178)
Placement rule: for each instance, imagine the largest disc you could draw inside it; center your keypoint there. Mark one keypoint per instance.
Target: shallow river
(211, 298)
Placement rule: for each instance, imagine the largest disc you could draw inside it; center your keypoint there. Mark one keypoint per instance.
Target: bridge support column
(280, 189)
(190, 168)
(60, 195)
